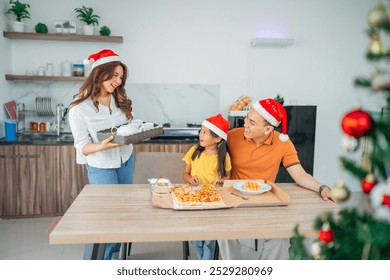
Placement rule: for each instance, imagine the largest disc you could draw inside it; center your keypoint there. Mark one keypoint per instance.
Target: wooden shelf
(62, 37)
(9, 77)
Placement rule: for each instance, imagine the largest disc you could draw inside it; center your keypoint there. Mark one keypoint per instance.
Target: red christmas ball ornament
(356, 123)
(386, 200)
(326, 235)
(368, 183)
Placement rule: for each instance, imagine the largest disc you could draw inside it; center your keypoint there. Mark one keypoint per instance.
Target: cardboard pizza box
(275, 197)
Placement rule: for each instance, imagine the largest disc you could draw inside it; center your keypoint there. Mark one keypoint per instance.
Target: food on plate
(240, 103)
(162, 184)
(205, 195)
(251, 186)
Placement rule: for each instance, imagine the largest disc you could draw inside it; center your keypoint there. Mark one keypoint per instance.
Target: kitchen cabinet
(38, 179)
(56, 37)
(163, 147)
(43, 180)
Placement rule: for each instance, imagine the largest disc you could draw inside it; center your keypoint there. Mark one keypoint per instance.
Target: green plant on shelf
(18, 9)
(105, 31)
(67, 24)
(41, 28)
(86, 15)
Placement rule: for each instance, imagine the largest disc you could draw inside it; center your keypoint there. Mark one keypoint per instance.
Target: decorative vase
(18, 26)
(88, 29)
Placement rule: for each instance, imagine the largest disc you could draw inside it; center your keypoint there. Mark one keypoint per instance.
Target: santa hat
(217, 124)
(274, 113)
(99, 58)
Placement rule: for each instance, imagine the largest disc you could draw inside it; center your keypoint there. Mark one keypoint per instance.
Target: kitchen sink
(66, 137)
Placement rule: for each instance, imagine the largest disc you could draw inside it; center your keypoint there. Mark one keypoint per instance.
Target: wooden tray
(275, 197)
(130, 139)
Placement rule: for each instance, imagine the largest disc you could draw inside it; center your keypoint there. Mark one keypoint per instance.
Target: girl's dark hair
(91, 88)
(222, 150)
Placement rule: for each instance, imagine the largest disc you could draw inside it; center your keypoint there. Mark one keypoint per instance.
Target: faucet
(61, 114)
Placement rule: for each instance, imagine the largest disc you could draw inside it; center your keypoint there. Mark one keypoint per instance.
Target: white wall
(207, 42)
(5, 66)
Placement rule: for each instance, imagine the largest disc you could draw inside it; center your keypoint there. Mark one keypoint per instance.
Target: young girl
(208, 163)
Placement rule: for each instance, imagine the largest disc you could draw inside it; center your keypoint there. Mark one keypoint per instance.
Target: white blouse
(85, 121)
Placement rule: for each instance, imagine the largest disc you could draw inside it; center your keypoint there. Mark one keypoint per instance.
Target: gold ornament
(340, 191)
(381, 81)
(376, 45)
(366, 154)
(378, 16)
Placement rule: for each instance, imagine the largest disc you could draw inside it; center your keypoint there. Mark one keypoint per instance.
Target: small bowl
(163, 185)
(263, 188)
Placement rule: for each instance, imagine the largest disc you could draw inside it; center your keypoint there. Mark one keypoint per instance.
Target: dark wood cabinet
(38, 180)
(301, 128)
(163, 147)
(43, 180)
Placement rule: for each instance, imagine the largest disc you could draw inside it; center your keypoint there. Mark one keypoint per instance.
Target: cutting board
(10, 108)
(275, 197)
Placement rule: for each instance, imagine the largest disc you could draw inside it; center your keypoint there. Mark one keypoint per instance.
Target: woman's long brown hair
(92, 86)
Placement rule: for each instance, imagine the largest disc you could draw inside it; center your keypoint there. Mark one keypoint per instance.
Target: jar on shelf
(42, 126)
(78, 70)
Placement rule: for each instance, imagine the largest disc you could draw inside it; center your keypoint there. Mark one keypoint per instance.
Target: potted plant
(41, 28)
(87, 16)
(20, 11)
(105, 31)
(279, 98)
(58, 28)
(66, 27)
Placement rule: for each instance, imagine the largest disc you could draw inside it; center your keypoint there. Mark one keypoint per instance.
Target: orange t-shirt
(252, 162)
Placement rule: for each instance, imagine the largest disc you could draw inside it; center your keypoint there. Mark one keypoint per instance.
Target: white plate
(263, 188)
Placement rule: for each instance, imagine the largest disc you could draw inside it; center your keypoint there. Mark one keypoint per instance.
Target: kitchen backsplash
(158, 103)
(174, 103)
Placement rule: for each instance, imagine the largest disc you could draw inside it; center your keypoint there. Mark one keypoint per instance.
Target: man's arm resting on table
(305, 180)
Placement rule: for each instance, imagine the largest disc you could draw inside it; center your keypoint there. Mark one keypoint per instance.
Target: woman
(102, 103)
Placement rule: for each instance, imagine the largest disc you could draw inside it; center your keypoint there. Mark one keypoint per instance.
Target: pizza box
(275, 197)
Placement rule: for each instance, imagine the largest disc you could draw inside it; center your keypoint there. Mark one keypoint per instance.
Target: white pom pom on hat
(274, 113)
(101, 57)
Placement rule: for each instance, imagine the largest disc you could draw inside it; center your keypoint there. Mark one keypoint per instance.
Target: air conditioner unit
(272, 42)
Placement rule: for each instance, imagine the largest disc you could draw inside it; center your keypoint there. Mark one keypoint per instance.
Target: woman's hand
(106, 144)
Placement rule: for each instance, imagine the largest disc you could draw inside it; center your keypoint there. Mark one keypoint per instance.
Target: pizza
(204, 195)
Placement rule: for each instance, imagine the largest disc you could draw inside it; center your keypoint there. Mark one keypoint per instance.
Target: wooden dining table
(125, 213)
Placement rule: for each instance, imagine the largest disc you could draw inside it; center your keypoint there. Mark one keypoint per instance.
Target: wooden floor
(28, 239)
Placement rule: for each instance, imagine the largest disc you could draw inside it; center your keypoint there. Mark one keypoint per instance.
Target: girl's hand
(194, 180)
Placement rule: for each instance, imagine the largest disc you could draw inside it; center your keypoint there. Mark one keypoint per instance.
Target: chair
(156, 164)
(153, 165)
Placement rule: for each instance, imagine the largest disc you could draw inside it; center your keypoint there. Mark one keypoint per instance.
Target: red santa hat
(274, 113)
(101, 57)
(217, 124)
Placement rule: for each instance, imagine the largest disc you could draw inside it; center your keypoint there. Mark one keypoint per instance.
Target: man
(256, 151)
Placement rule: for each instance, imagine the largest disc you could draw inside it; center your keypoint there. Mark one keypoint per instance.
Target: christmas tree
(353, 234)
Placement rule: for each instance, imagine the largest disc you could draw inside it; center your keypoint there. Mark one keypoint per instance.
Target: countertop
(67, 139)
